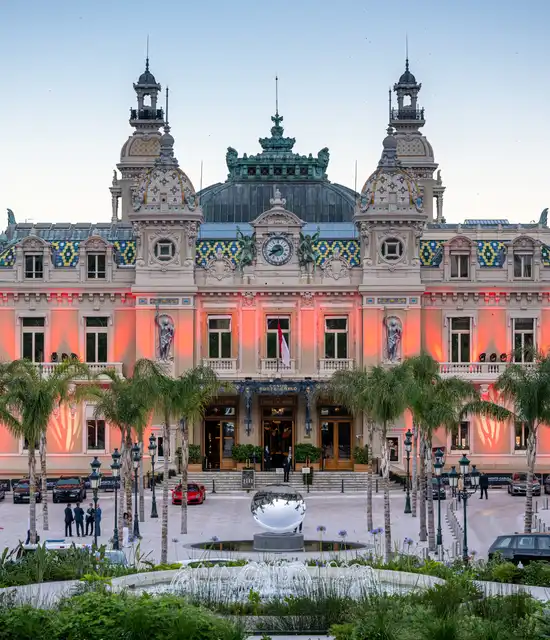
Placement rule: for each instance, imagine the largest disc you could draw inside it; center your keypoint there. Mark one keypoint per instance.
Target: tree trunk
(370, 525)
(128, 470)
(531, 459)
(44, 482)
(165, 502)
(185, 461)
(141, 483)
(423, 534)
(430, 495)
(414, 477)
(386, 479)
(32, 493)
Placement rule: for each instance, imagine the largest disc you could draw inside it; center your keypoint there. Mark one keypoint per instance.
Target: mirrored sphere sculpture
(278, 508)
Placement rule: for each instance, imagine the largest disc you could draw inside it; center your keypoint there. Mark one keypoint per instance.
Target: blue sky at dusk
(68, 69)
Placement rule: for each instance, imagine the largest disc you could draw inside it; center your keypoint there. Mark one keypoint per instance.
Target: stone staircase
(323, 481)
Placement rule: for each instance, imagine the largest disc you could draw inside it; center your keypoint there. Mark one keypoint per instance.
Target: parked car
(21, 492)
(438, 492)
(2, 494)
(69, 489)
(518, 485)
(521, 547)
(196, 494)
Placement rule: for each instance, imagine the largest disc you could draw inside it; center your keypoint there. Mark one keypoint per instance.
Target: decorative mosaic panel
(491, 253)
(431, 253)
(545, 251)
(7, 258)
(65, 253)
(125, 252)
(349, 250)
(206, 250)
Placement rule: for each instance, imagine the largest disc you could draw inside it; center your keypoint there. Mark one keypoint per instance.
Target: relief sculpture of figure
(248, 248)
(393, 338)
(306, 250)
(166, 336)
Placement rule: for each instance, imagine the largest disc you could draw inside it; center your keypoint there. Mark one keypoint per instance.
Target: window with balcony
(460, 339)
(273, 347)
(524, 339)
(96, 266)
(523, 266)
(219, 337)
(336, 338)
(32, 347)
(96, 435)
(520, 436)
(460, 266)
(460, 439)
(96, 339)
(34, 266)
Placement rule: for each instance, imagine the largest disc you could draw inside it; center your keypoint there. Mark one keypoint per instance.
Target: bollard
(307, 487)
(536, 506)
(213, 486)
(376, 486)
(342, 485)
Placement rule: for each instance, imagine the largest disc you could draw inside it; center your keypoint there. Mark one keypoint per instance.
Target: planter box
(194, 467)
(361, 467)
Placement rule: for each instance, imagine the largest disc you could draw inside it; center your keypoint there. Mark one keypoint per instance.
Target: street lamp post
(464, 494)
(136, 458)
(438, 467)
(95, 481)
(115, 468)
(152, 451)
(408, 449)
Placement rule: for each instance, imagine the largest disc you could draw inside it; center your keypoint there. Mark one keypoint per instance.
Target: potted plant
(195, 463)
(307, 455)
(361, 458)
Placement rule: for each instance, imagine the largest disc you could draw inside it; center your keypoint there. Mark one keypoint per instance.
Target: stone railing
(222, 366)
(483, 371)
(275, 367)
(327, 366)
(96, 368)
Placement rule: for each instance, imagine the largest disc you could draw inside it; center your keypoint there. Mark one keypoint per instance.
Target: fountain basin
(309, 546)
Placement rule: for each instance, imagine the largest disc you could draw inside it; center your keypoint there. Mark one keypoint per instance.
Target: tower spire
(406, 52)
(167, 125)
(147, 55)
(276, 95)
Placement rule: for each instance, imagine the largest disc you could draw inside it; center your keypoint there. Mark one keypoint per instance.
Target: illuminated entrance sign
(277, 389)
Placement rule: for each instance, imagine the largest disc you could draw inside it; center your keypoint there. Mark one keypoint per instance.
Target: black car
(21, 492)
(522, 547)
(69, 489)
(438, 494)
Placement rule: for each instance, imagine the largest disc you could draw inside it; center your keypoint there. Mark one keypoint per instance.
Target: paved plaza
(228, 517)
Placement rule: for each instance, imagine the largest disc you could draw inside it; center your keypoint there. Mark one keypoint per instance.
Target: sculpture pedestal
(278, 542)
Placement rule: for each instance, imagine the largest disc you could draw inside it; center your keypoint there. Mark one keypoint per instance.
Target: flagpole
(278, 342)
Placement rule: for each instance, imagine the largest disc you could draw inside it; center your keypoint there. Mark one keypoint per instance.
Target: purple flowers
(376, 531)
(215, 539)
(321, 528)
(343, 533)
(408, 541)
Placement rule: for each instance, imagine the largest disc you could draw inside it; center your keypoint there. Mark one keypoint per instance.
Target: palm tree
(352, 390)
(528, 390)
(32, 397)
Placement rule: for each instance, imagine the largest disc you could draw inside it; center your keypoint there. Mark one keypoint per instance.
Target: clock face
(277, 250)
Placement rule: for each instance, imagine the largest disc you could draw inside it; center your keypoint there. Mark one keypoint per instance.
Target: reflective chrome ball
(278, 508)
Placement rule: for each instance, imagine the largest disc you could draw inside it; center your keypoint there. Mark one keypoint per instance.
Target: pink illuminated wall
(8, 339)
(492, 333)
(431, 332)
(64, 332)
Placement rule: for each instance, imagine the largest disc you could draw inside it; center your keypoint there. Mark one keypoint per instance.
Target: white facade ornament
(336, 267)
(219, 267)
(394, 332)
(165, 337)
(277, 202)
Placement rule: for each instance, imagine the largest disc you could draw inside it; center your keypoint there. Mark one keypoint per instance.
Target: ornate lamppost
(115, 468)
(438, 467)
(408, 449)
(136, 458)
(152, 451)
(464, 494)
(95, 481)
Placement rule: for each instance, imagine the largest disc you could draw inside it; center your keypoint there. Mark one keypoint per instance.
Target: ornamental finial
(277, 200)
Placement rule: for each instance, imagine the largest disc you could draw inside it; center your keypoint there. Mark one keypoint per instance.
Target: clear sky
(68, 68)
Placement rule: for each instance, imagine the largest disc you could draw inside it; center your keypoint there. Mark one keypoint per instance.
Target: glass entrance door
(336, 444)
(219, 436)
(278, 433)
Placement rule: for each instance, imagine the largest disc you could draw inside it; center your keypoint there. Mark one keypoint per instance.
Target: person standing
(484, 486)
(460, 488)
(69, 518)
(286, 469)
(267, 459)
(79, 519)
(98, 521)
(90, 519)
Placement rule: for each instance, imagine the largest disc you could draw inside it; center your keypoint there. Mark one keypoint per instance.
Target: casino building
(350, 279)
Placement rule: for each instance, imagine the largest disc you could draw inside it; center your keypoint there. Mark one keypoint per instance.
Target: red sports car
(196, 494)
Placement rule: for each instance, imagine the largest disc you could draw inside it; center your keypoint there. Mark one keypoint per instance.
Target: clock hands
(277, 250)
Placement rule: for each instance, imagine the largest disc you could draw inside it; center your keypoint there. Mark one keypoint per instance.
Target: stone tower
(142, 148)
(413, 148)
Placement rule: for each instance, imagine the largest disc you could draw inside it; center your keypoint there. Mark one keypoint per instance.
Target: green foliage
(305, 450)
(195, 454)
(244, 452)
(361, 455)
(505, 572)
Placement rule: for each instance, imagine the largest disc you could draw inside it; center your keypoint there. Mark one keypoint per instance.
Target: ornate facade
(276, 251)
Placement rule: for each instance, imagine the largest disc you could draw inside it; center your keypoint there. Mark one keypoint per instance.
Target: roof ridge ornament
(277, 202)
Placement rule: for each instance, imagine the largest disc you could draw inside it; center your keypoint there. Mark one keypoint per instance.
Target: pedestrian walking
(90, 519)
(98, 521)
(79, 519)
(484, 486)
(69, 519)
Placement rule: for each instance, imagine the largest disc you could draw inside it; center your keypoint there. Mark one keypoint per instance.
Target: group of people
(483, 487)
(92, 518)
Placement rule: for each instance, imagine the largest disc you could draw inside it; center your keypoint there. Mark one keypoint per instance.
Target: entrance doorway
(336, 437)
(278, 434)
(219, 435)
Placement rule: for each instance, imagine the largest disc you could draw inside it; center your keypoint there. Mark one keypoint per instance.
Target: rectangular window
(524, 339)
(460, 339)
(336, 338)
(393, 446)
(273, 349)
(523, 266)
(33, 339)
(96, 435)
(96, 339)
(96, 266)
(461, 437)
(460, 265)
(521, 435)
(219, 337)
(34, 266)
